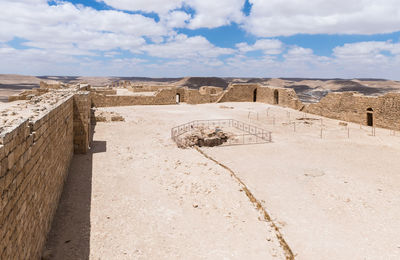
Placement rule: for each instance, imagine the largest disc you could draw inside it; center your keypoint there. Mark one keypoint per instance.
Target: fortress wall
(149, 88)
(279, 96)
(82, 125)
(35, 155)
(203, 95)
(27, 94)
(352, 107)
(45, 85)
(162, 97)
(239, 93)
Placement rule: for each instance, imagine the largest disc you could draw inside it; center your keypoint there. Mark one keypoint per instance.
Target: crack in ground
(284, 245)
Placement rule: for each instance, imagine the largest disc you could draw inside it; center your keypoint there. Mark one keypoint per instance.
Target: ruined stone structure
(35, 154)
(382, 111)
(39, 136)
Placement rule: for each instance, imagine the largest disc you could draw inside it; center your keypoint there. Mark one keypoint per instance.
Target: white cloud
(157, 6)
(212, 13)
(207, 13)
(277, 18)
(366, 49)
(182, 46)
(66, 25)
(176, 19)
(268, 46)
(70, 39)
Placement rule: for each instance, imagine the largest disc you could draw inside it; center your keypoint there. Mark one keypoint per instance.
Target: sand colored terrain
(137, 196)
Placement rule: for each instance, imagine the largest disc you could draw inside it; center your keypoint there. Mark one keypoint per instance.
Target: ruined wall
(239, 93)
(352, 107)
(203, 95)
(35, 155)
(279, 96)
(27, 94)
(46, 85)
(82, 131)
(162, 97)
(149, 88)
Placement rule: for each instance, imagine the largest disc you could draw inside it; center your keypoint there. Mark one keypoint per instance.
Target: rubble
(105, 116)
(204, 136)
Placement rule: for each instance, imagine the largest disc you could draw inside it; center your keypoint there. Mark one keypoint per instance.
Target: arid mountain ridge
(308, 89)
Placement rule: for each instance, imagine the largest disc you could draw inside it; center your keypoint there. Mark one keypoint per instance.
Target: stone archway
(276, 96)
(370, 117)
(178, 98)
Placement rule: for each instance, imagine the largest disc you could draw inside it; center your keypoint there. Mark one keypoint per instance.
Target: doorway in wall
(276, 97)
(255, 95)
(370, 117)
(178, 98)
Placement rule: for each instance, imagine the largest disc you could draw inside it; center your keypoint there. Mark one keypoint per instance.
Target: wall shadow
(69, 237)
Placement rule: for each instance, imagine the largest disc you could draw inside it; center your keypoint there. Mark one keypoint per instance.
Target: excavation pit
(222, 132)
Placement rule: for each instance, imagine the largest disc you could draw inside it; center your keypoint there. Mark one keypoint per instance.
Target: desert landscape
(199, 129)
(308, 90)
(200, 168)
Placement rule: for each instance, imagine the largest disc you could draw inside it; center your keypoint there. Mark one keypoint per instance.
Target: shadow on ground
(69, 237)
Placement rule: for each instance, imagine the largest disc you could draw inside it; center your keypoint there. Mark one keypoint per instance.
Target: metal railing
(252, 135)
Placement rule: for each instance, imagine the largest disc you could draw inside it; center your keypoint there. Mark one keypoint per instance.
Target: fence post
(348, 132)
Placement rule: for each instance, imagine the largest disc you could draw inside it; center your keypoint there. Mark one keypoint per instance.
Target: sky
(177, 38)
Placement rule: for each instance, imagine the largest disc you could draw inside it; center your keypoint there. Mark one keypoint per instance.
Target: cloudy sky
(174, 38)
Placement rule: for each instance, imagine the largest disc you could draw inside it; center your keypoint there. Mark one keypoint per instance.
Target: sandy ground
(138, 196)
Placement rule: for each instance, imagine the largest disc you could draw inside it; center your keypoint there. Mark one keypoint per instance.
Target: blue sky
(175, 38)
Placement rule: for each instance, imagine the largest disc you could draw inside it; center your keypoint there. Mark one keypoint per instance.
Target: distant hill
(197, 82)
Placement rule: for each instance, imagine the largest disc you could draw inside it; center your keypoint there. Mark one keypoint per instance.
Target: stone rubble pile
(204, 136)
(105, 116)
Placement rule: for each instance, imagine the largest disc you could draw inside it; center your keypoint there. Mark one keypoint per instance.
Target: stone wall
(82, 131)
(46, 85)
(352, 107)
(239, 93)
(162, 97)
(27, 94)
(279, 96)
(202, 95)
(148, 88)
(35, 155)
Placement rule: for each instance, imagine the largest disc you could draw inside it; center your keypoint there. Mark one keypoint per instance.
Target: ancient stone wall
(353, 107)
(149, 88)
(162, 97)
(279, 96)
(203, 95)
(46, 85)
(82, 131)
(239, 93)
(27, 94)
(35, 155)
